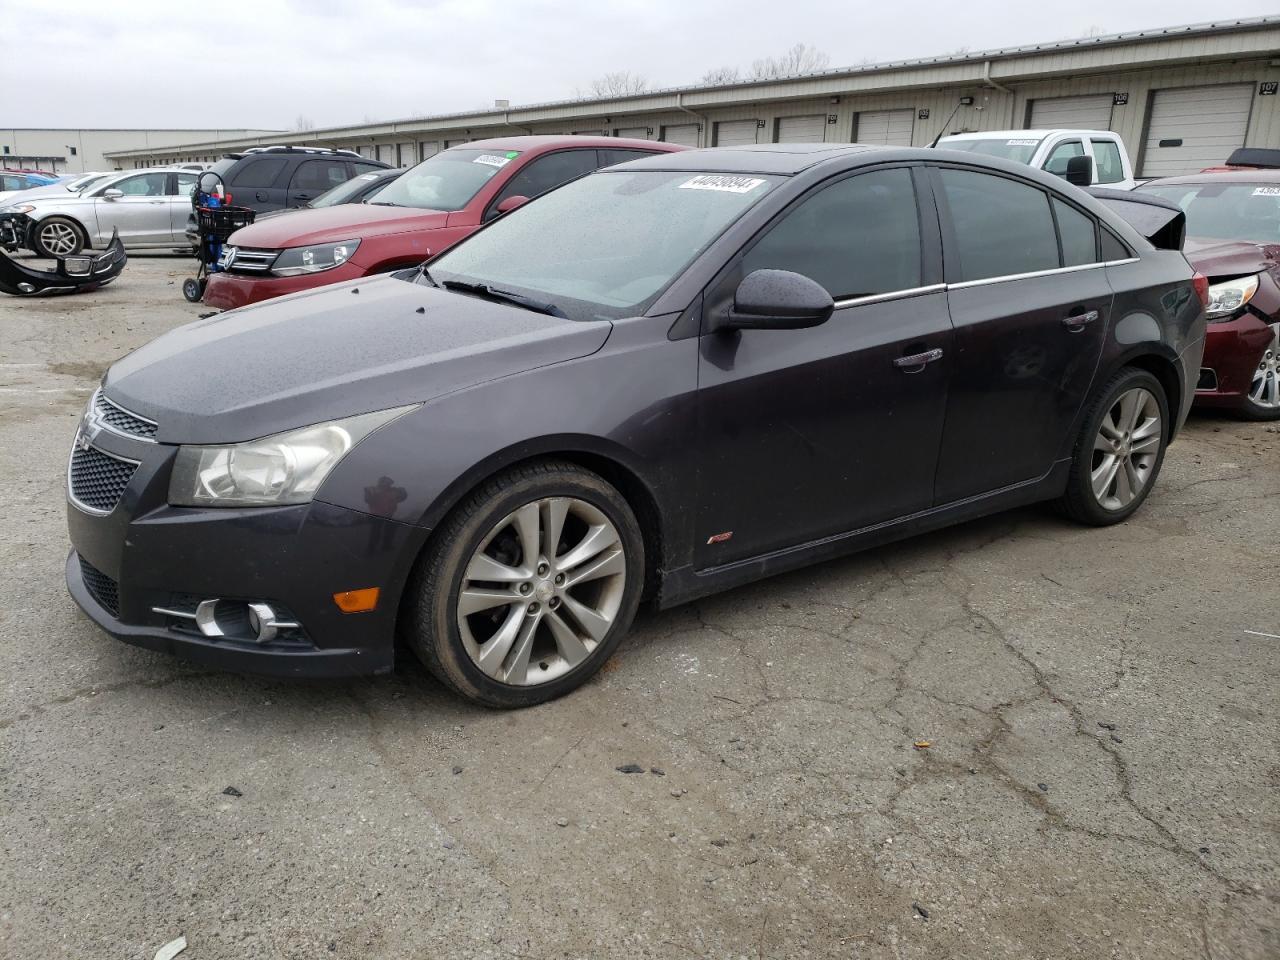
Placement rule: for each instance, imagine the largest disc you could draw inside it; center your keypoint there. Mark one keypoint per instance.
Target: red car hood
(348, 221)
(1230, 258)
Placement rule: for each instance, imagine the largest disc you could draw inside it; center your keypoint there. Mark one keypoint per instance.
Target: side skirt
(684, 584)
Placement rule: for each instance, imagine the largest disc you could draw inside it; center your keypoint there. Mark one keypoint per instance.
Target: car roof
(779, 158)
(1225, 176)
(544, 142)
(1027, 134)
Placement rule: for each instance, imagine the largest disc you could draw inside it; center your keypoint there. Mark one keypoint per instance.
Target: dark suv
(275, 178)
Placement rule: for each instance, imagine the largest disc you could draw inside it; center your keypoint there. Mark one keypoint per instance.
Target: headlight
(284, 469)
(19, 208)
(1226, 298)
(322, 256)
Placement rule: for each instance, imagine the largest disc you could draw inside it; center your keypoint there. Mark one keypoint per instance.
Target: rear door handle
(1076, 322)
(915, 362)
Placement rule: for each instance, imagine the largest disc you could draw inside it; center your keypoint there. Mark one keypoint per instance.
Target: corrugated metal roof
(629, 103)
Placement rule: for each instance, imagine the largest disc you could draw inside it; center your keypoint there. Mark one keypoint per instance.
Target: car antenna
(964, 102)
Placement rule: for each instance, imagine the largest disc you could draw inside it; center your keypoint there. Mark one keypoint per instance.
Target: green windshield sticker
(512, 154)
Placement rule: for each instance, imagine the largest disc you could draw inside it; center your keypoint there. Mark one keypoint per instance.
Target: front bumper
(226, 291)
(1231, 355)
(295, 558)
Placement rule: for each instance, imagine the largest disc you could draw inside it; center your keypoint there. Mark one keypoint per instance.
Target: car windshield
(446, 181)
(1226, 211)
(343, 192)
(1017, 149)
(605, 246)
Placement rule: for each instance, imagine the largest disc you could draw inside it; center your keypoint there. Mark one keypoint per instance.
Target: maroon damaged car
(1233, 238)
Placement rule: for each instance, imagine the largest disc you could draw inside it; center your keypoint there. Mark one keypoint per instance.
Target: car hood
(348, 221)
(333, 352)
(1230, 258)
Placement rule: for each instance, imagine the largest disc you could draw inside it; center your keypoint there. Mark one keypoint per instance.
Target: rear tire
(55, 237)
(1119, 450)
(528, 586)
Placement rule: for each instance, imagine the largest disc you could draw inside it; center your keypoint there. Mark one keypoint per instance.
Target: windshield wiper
(505, 296)
(381, 203)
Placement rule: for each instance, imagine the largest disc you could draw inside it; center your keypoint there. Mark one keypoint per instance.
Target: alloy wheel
(1264, 392)
(1126, 449)
(58, 239)
(541, 591)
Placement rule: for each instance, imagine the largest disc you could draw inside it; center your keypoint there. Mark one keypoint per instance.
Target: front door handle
(1076, 322)
(915, 362)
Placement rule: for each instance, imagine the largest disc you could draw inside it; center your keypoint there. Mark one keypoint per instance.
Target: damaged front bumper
(78, 274)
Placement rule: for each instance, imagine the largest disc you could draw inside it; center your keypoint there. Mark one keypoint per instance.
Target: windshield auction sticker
(1021, 143)
(723, 184)
(1267, 192)
(492, 160)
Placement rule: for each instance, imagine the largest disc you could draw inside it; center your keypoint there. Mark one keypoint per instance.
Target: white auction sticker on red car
(722, 183)
(492, 160)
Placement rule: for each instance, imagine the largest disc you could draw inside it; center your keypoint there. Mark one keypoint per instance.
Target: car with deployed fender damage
(145, 208)
(664, 379)
(432, 206)
(1233, 238)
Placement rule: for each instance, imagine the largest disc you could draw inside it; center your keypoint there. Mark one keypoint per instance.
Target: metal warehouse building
(1181, 97)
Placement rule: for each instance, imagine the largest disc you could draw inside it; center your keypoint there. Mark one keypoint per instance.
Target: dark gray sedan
(665, 379)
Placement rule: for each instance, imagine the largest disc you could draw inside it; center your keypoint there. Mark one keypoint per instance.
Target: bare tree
(802, 58)
(1094, 31)
(624, 83)
(722, 75)
(303, 123)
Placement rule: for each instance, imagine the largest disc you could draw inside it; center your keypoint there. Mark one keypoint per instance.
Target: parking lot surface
(1017, 738)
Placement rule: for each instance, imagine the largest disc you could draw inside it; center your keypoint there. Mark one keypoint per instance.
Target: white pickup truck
(1053, 150)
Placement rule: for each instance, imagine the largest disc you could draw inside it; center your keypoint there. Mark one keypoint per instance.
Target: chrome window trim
(71, 497)
(892, 295)
(93, 403)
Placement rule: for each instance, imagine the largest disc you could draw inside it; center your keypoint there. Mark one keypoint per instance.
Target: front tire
(1263, 400)
(1119, 451)
(56, 237)
(528, 587)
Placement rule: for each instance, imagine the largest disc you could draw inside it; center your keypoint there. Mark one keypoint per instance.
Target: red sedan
(428, 209)
(1233, 238)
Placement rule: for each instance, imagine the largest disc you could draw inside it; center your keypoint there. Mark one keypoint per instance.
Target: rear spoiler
(1254, 157)
(1160, 221)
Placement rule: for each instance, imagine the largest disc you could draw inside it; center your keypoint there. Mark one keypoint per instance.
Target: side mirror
(112, 194)
(778, 300)
(510, 203)
(1079, 171)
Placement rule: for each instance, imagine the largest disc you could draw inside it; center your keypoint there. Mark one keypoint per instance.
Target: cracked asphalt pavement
(1100, 708)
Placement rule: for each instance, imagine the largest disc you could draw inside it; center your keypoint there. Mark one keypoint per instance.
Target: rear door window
(609, 157)
(857, 237)
(1108, 167)
(367, 167)
(186, 182)
(316, 176)
(1002, 227)
(259, 172)
(1079, 235)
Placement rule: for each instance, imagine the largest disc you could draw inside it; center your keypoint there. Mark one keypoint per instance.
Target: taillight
(1201, 283)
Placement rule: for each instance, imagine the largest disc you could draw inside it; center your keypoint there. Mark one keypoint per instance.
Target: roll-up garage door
(1195, 127)
(406, 154)
(685, 133)
(428, 148)
(455, 143)
(636, 133)
(886, 128)
(588, 133)
(1075, 113)
(802, 129)
(734, 133)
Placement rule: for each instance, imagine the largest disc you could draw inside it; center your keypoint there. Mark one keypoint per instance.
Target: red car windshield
(446, 181)
(1226, 211)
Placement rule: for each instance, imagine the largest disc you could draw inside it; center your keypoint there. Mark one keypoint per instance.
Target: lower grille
(101, 587)
(96, 479)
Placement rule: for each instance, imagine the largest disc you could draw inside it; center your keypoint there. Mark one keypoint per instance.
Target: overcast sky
(163, 63)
